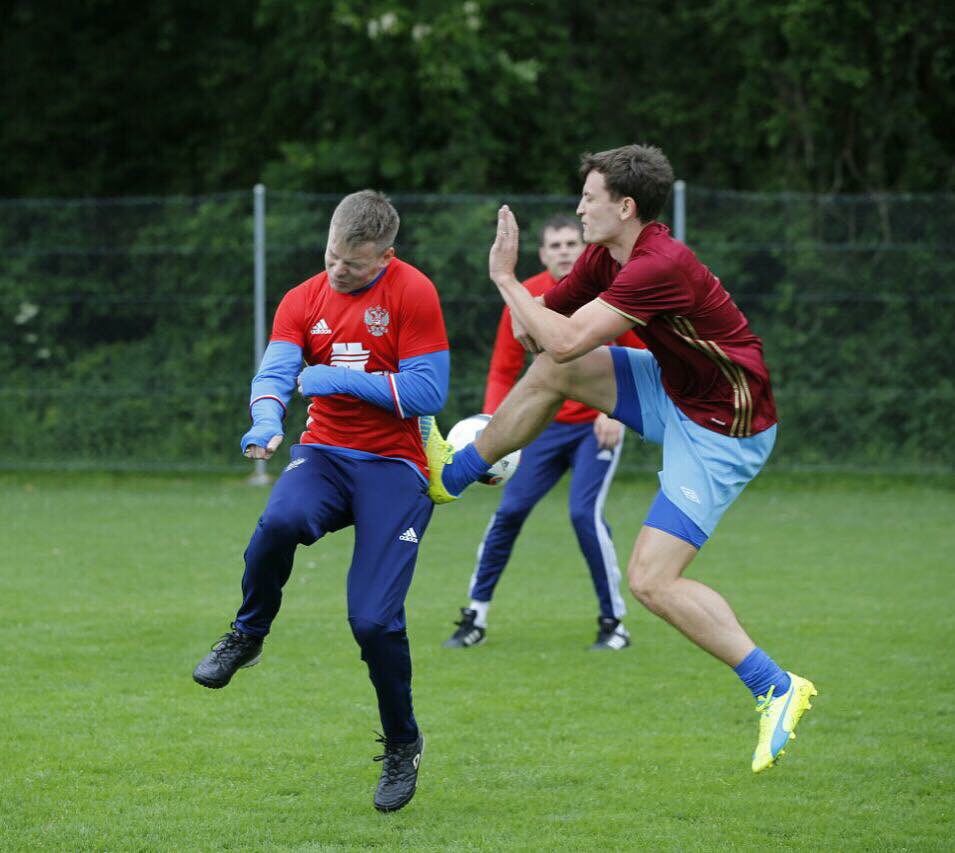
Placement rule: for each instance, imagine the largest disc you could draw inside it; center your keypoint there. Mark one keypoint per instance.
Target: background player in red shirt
(701, 390)
(581, 438)
(371, 330)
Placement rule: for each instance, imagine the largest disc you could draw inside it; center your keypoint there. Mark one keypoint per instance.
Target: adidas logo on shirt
(409, 536)
(321, 328)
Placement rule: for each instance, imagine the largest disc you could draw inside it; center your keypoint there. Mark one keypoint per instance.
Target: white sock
(481, 608)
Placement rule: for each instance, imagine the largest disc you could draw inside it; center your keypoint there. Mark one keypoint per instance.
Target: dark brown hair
(641, 172)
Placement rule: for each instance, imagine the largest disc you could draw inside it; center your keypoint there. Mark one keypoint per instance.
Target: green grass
(112, 587)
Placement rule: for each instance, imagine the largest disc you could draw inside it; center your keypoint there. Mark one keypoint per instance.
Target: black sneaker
(611, 634)
(468, 634)
(232, 652)
(399, 773)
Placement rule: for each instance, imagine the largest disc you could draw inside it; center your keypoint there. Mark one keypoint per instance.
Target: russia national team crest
(377, 320)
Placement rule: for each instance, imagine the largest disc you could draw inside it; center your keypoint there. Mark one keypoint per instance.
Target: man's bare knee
(544, 372)
(647, 585)
(657, 562)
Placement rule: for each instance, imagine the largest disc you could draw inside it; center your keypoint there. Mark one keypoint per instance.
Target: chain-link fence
(127, 323)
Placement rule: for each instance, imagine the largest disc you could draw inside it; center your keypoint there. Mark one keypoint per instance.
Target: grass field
(112, 587)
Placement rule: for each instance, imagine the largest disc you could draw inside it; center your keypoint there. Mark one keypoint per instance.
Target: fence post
(679, 211)
(259, 477)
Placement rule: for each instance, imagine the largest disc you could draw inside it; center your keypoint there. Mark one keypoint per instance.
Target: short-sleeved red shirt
(398, 317)
(508, 359)
(710, 360)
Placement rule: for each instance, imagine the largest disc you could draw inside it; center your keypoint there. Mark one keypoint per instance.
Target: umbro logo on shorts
(409, 536)
(690, 494)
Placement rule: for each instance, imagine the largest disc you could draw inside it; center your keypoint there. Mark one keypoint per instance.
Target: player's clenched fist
(262, 440)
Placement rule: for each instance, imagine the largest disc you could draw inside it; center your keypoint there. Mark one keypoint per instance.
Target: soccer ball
(465, 431)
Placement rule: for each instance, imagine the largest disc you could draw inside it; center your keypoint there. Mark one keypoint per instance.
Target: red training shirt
(398, 317)
(508, 358)
(710, 360)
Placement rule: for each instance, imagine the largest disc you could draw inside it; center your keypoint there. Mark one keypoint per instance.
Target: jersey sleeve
(507, 361)
(421, 328)
(580, 286)
(290, 318)
(646, 286)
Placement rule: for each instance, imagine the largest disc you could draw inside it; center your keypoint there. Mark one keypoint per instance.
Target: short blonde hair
(366, 217)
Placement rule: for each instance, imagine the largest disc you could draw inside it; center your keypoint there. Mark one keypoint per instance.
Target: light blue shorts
(703, 471)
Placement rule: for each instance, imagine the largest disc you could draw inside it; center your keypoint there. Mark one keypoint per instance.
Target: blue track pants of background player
(387, 503)
(543, 462)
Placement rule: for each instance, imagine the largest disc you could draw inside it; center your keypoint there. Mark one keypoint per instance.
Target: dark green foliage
(853, 297)
(127, 327)
(128, 339)
(476, 96)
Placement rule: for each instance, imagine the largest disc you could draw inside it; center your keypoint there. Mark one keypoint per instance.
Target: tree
(488, 96)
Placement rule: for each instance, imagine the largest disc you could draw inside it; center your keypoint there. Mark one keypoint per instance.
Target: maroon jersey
(710, 361)
(508, 359)
(372, 330)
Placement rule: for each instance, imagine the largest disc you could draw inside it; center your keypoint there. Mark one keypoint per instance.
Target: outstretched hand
(502, 260)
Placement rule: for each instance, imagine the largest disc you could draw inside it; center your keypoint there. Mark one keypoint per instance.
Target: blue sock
(463, 470)
(758, 671)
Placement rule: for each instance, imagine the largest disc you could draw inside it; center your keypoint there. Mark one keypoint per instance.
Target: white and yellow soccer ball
(468, 429)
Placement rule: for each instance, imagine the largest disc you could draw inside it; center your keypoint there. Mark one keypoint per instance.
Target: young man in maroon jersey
(579, 438)
(370, 330)
(701, 389)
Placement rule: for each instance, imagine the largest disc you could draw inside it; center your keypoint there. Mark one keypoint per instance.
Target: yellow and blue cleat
(439, 453)
(777, 720)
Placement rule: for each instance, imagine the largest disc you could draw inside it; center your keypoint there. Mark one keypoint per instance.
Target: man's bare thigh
(590, 379)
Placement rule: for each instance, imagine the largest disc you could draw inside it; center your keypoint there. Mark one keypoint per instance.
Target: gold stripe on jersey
(742, 425)
(615, 309)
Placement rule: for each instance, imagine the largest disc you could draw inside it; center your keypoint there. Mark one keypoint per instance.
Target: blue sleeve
(272, 388)
(275, 380)
(420, 387)
(421, 384)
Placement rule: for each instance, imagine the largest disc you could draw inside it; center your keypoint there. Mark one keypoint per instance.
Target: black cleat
(232, 652)
(611, 634)
(399, 773)
(468, 634)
